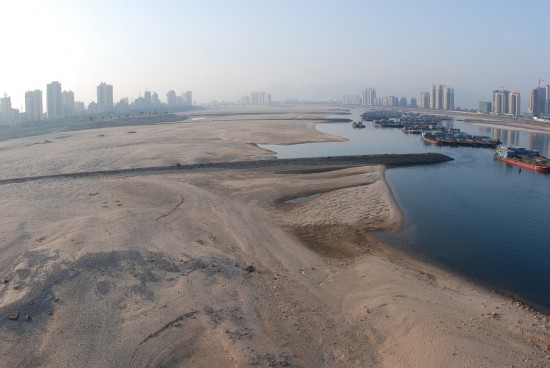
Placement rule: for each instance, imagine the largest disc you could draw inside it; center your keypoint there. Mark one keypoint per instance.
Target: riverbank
(491, 121)
(213, 268)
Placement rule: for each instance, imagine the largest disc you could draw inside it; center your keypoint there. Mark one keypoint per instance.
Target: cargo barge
(454, 138)
(519, 156)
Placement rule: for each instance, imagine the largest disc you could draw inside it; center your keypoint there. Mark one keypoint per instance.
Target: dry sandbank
(153, 270)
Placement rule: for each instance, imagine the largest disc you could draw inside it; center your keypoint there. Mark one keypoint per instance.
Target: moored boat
(520, 156)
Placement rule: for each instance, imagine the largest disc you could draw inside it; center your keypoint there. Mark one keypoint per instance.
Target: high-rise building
(79, 107)
(33, 105)
(538, 100)
(432, 96)
(498, 101)
(438, 97)
(147, 99)
(514, 104)
(414, 103)
(104, 98)
(485, 107)
(155, 99)
(6, 109)
(53, 97)
(424, 99)
(189, 98)
(369, 97)
(93, 108)
(448, 98)
(436, 93)
(442, 97)
(260, 98)
(67, 103)
(351, 100)
(171, 99)
(506, 103)
(122, 105)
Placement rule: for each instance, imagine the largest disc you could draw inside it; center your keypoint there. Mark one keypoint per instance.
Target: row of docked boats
(454, 137)
(428, 127)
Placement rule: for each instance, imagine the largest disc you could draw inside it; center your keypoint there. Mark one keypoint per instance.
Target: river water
(475, 216)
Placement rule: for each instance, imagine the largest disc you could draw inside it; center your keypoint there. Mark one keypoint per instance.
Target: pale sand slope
(149, 271)
(219, 138)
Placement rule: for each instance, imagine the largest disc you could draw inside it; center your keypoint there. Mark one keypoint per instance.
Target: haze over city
(307, 50)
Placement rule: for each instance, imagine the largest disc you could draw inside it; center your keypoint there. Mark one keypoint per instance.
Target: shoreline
(395, 204)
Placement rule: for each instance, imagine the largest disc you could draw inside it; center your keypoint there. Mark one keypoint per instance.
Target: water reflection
(512, 137)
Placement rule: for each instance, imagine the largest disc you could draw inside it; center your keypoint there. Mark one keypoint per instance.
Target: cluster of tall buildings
(539, 102)
(61, 104)
(352, 100)
(504, 102)
(173, 100)
(391, 101)
(440, 97)
(256, 98)
(369, 97)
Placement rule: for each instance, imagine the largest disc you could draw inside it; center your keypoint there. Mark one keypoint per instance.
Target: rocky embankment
(329, 162)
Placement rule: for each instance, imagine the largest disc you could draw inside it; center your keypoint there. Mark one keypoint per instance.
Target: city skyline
(62, 104)
(214, 46)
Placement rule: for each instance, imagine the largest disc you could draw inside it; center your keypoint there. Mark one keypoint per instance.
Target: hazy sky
(225, 49)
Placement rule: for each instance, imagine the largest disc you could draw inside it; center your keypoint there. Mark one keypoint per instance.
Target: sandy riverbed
(151, 271)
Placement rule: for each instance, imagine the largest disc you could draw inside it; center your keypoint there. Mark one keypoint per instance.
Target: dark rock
(283, 362)
(14, 316)
(250, 268)
(6, 281)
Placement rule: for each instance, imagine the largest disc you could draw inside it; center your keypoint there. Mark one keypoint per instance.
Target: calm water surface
(479, 217)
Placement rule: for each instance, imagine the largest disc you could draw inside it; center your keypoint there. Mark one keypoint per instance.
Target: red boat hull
(543, 169)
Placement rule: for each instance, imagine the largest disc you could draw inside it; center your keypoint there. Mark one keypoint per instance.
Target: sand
(215, 269)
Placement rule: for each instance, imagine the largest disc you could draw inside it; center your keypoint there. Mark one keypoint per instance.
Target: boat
(454, 138)
(358, 124)
(520, 156)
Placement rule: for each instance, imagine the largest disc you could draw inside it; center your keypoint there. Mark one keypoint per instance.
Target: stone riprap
(329, 162)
